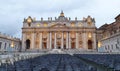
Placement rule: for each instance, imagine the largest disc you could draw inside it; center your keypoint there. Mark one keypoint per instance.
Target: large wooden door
(27, 44)
(89, 44)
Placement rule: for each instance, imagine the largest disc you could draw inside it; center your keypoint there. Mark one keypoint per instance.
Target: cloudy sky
(12, 12)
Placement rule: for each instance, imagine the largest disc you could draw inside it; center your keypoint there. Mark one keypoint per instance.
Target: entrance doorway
(73, 45)
(52, 46)
(89, 44)
(59, 47)
(64, 46)
(27, 44)
(44, 45)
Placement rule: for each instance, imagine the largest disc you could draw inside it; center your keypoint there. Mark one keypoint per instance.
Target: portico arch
(27, 44)
(90, 44)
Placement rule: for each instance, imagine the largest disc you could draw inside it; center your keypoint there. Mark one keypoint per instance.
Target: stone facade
(109, 36)
(60, 33)
(8, 43)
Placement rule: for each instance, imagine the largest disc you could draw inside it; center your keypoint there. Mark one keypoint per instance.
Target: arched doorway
(53, 46)
(64, 46)
(27, 44)
(44, 45)
(89, 44)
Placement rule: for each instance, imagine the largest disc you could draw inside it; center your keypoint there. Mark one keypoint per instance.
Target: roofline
(117, 16)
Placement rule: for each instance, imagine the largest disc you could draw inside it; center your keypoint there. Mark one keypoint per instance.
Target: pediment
(59, 26)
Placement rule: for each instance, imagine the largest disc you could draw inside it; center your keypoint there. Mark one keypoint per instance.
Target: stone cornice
(55, 29)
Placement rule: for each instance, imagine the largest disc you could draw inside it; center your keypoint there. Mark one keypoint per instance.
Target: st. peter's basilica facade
(60, 33)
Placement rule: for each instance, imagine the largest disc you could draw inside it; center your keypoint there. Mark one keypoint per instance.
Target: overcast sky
(12, 12)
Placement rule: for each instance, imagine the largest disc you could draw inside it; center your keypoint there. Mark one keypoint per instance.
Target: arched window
(38, 25)
(80, 24)
(89, 35)
(45, 24)
(72, 24)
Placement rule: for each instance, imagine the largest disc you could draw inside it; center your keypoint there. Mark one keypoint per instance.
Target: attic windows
(72, 24)
(38, 25)
(45, 24)
(80, 24)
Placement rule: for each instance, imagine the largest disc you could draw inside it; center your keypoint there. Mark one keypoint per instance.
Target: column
(67, 40)
(33, 41)
(40, 40)
(23, 42)
(84, 41)
(94, 41)
(50, 41)
(55, 41)
(76, 40)
(48, 38)
(62, 41)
